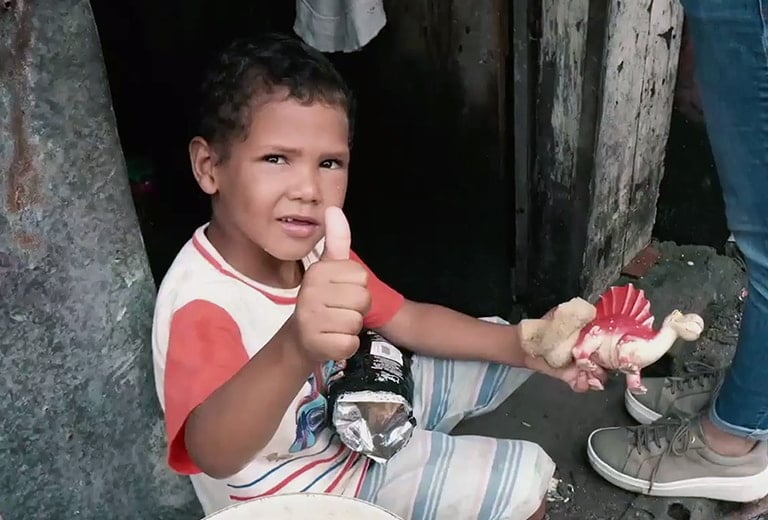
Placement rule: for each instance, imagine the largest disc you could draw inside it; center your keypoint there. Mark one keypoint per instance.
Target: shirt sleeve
(205, 350)
(385, 301)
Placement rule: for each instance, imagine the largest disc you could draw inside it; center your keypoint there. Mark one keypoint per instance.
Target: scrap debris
(752, 511)
(642, 262)
(560, 491)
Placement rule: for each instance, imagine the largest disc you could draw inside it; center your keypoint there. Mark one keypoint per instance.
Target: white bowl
(298, 506)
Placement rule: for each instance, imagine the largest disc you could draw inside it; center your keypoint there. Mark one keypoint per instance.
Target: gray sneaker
(685, 396)
(671, 459)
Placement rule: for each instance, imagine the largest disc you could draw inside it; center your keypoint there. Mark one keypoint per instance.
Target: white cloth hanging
(339, 25)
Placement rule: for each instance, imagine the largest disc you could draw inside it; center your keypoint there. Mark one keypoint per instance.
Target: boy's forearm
(225, 432)
(437, 331)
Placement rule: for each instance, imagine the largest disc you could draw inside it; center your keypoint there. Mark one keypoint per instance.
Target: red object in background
(146, 203)
(642, 262)
(143, 188)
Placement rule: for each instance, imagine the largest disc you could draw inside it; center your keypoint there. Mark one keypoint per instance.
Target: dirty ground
(691, 278)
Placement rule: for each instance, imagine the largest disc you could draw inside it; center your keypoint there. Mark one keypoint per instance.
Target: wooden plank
(522, 97)
(602, 124)
(563, 46)
(623, 68)
(659, 80)
(565, 128)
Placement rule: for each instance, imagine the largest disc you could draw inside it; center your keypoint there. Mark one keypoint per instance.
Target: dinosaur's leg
(635, 384)
(594, 382)
(629, 365)
(626, 356)
(583, 350)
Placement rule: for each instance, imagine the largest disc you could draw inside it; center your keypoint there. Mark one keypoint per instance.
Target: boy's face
(273, 188)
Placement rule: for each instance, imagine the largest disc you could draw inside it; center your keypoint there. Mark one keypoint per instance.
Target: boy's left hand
(579, 380)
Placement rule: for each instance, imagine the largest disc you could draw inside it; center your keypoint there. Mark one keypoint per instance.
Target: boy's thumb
(338, 237)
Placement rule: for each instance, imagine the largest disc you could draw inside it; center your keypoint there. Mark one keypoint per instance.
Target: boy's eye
(275, 159)
(331, 164)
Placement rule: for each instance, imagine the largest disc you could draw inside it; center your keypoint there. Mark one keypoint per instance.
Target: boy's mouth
(298, 226)
(306, 221)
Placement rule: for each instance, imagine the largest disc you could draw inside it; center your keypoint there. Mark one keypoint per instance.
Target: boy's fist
(333, 297)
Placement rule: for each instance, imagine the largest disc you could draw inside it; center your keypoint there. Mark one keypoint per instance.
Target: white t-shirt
(209, 321)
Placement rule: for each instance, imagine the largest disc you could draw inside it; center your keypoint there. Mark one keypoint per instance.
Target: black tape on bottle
(377, 366)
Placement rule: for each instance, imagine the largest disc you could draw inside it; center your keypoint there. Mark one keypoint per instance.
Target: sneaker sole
(638, 410)
(729, 489)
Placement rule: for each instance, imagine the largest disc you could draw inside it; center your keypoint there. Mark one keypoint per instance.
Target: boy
(263, 298)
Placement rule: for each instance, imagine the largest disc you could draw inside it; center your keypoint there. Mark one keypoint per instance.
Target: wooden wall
(606, 84)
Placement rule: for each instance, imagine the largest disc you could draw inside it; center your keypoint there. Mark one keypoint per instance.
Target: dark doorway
(429, 198)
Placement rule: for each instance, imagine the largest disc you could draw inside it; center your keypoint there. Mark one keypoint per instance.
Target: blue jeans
(730, 38)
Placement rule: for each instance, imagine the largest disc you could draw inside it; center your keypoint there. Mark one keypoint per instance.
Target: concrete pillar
(81, 433)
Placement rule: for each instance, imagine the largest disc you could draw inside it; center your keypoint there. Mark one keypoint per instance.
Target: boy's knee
(535, 471)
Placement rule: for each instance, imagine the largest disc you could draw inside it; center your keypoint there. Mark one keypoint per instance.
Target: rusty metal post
(80, 431)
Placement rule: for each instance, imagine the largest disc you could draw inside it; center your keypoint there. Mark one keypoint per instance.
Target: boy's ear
(203, 158)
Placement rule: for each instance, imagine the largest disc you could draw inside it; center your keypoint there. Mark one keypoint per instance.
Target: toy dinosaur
(554, 336)
(617, 334)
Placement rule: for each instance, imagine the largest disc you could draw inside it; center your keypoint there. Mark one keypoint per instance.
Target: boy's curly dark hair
(247, 70)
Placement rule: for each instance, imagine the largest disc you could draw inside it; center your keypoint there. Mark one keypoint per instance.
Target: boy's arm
(226, 431)
(218, 432)
(437, 331)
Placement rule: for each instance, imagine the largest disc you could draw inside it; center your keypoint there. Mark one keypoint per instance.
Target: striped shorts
(439, 476)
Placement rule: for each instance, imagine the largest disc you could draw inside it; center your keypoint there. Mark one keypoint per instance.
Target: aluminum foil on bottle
(370, 400)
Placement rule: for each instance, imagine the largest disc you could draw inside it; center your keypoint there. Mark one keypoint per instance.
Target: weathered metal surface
(81, 433)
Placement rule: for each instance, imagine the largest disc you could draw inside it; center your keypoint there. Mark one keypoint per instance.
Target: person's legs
(437, 475)
(731, 45)
(731, 42)
(722, 453)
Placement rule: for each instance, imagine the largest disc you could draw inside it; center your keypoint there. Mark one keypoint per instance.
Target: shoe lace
(672, 436)
(700, 376)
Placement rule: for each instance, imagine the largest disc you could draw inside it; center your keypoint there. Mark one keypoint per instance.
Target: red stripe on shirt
(351, 462)
(280, 300)
(385, 301)
(292, 476)
(364, 473)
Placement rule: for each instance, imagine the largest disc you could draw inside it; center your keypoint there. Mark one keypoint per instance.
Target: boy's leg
(447, 392)
(463, 477)
(439, 476)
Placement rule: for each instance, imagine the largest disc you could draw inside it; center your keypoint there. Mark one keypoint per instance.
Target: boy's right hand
(333, 297)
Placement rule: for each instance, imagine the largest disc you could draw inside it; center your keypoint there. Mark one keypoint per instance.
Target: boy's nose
(306, 186)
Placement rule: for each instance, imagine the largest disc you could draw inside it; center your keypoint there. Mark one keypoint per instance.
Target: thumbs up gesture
(333, 297)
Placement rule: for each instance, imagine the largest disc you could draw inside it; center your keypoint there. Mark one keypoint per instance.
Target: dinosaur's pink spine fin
(626, 301)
